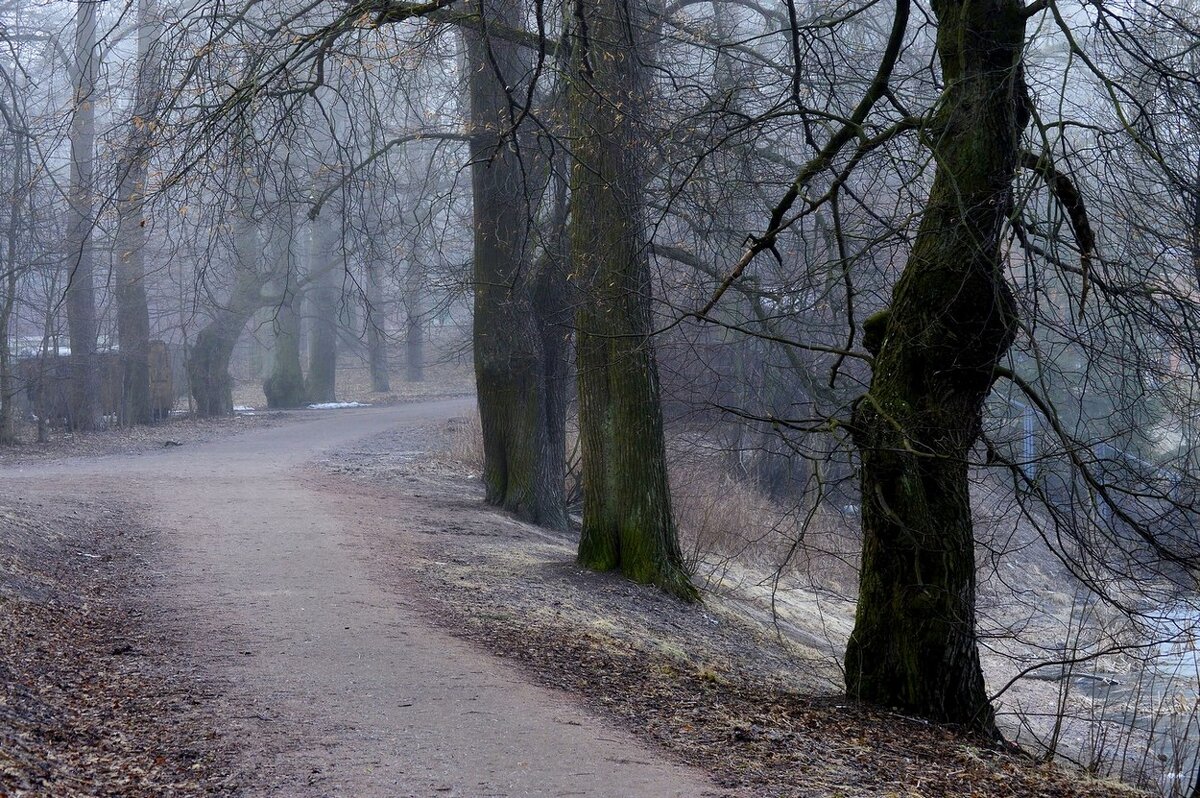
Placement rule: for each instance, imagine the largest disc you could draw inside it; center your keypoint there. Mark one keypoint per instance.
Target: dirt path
(335, 685)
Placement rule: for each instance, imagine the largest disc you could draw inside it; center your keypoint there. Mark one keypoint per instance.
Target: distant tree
(208, 363)
(284, 386)
(325, 256)
(79, 254)
(129, 261)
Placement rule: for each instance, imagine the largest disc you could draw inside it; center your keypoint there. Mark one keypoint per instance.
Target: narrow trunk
(81, 292)
(951, 320)
(8, 387)
(627, 520)
(414, 329)
(519, 405)
(552, 311)
(8, 433)
(284, 386)
(322, 347)
(133, 310)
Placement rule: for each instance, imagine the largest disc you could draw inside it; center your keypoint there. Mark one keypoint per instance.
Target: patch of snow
(242, 409)
(336, 405)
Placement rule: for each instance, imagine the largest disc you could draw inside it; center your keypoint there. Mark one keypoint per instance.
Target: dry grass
(719, 514)
(465, 442)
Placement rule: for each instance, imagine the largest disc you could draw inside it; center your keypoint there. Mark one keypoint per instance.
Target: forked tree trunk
(951, 320)
(81, 292)
(627, 520)
(519, 407)
(208, 362)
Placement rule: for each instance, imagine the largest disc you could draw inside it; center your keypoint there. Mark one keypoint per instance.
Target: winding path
(352, 692)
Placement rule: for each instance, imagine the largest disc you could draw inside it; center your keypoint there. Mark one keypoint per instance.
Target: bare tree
(79, 254)
(627, 520)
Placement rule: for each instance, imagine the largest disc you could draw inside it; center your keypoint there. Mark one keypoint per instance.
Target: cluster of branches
(887, 251)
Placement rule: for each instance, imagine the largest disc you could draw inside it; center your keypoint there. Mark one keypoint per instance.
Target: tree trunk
(376, 320)
(285, 386)
(133, 310)
(208, 363)
(321, 385)
(81, 292)
(16, 200)
(519, 405)
(414, 329)
(8, 416)
(951, 320)
(8, 391)
(627, 520)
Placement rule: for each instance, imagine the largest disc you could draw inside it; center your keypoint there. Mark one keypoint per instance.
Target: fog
(672, 255)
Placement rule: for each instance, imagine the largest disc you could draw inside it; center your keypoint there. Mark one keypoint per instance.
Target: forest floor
(321, 606)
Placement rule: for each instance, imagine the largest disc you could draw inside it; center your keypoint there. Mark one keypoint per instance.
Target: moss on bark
(627, 519)
(519, 363)
(951, 320)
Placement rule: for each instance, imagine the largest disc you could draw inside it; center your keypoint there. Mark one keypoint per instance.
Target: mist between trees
(918, 281)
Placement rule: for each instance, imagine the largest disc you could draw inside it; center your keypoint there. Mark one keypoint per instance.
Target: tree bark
(951, 320)
(285, 385)
(414, 327)
(376, 321)
(81, 292)
(627, 520)
(133, 309)
(321, 385)
(523, 428)
(8, 389)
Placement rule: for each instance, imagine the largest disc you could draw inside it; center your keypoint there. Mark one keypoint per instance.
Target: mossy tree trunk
(519, 403)
(951, 320)
(627, 519)
(325, 272)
